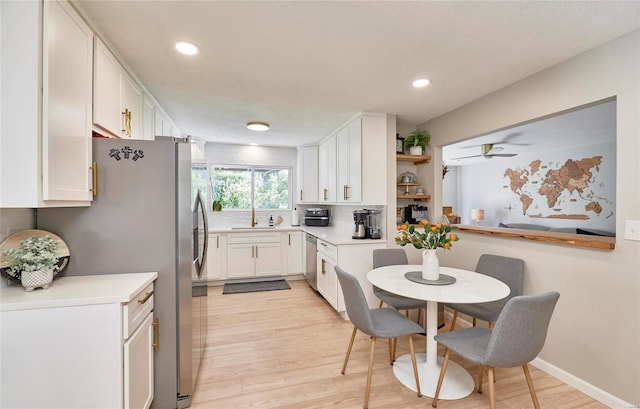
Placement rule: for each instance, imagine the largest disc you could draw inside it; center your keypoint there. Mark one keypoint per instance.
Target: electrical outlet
(632, 230)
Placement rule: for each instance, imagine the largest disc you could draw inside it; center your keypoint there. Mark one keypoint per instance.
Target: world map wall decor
(562, 190)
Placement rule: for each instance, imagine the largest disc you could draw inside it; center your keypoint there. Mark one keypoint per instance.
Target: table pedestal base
(457, 382)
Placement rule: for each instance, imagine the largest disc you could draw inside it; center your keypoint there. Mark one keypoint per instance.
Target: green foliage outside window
(232, 187)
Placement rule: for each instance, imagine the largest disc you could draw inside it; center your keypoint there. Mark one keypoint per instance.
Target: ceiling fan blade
(502, 155)
(494, 150)
(466, 157)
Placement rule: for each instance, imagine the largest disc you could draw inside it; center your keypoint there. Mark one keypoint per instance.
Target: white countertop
(77, 290)
(333, 235)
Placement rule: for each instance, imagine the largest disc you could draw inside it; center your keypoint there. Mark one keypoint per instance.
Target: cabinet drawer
(136, 310)
(328, 249)
(254, 238)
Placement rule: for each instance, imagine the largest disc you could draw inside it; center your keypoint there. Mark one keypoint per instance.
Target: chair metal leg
(445, 362)
(346, 358)
(415, 366)
(419, 316)
(393, 356)
(453, 321)
(366, 396)
(381, 302)
(492, 389)
(480, 375)
(474, 321)
(391, 346)
(406, 313)
(532, 391)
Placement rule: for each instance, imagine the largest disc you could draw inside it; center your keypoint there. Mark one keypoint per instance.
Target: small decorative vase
(415, 150)
(34, 279)
(430, 265)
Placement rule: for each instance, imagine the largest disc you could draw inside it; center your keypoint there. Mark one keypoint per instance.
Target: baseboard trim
(593, 391)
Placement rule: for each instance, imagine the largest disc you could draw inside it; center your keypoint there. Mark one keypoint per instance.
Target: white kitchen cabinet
(138, 366)
(308, 174)
(163, 126)
(294, 256)
(349, 163)
(254, 255)
(45, 88)
(117, 98)
(85, 342)
(217, 257)
(356, 259)
(148, 118)
(327, 170)
(327, 282)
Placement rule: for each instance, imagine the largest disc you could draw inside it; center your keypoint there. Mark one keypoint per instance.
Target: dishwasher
(310, 260)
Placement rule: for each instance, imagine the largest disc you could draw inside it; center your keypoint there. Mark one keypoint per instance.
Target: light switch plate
(632, 230)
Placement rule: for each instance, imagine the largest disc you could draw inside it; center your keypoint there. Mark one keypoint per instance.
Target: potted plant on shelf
(417, 141)
(34, 262)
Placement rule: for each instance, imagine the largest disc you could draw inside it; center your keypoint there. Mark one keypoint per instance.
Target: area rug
(235, 288)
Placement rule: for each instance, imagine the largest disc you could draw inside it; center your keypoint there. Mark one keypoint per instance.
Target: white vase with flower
(434, 235)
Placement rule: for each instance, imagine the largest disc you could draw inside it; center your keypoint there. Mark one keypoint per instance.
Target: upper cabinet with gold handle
(118, 100)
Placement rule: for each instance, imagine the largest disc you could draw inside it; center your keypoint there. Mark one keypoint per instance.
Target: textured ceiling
(306, 67)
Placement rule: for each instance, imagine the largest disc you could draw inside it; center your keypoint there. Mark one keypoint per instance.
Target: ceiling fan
(488, 151)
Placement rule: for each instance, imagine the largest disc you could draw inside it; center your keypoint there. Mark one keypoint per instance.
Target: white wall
(594, 337)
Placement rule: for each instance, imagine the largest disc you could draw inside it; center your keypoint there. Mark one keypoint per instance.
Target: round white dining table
(469, 287)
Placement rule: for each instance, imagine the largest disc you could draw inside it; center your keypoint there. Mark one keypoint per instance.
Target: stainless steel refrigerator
(149, 215)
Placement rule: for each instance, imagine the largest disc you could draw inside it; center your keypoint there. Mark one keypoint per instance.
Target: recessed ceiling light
(422, 82)
(187, 48)
(258, 126)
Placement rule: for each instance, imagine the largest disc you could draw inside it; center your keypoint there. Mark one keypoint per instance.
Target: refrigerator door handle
(203, 256)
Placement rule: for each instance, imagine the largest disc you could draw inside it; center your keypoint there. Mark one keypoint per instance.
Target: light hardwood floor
(284, 349)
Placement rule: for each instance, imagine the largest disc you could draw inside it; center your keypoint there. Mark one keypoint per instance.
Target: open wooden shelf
(425, 198)
(416, 159)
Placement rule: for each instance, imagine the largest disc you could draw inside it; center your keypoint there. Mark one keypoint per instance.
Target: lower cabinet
(356, 259)
(294, 254)
(217, 257)
(138, 366)
(254, 255)
(88, 344)
(246, 255)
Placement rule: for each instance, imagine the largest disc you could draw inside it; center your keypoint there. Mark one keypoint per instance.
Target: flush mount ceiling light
(187, 48)
(422, 82)
(258, 126)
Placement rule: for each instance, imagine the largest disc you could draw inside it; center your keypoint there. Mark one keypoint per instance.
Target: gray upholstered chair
(516, 339)
(390, 257)
(383, 323)
(506, 269)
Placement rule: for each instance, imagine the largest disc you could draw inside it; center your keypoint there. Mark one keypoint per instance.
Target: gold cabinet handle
(217, 242)
(346, 192)
(256, 251)
(146, 297)
(289, 239)
(127, 122)
(300, 194)
(94, 177)
(156, 334)
(326, 194)
(323, 270)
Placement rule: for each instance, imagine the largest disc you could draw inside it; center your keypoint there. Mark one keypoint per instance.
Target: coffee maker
(360, 221)
(373, 224)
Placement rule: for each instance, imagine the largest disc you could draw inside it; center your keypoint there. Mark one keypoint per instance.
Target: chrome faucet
(254, 222)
